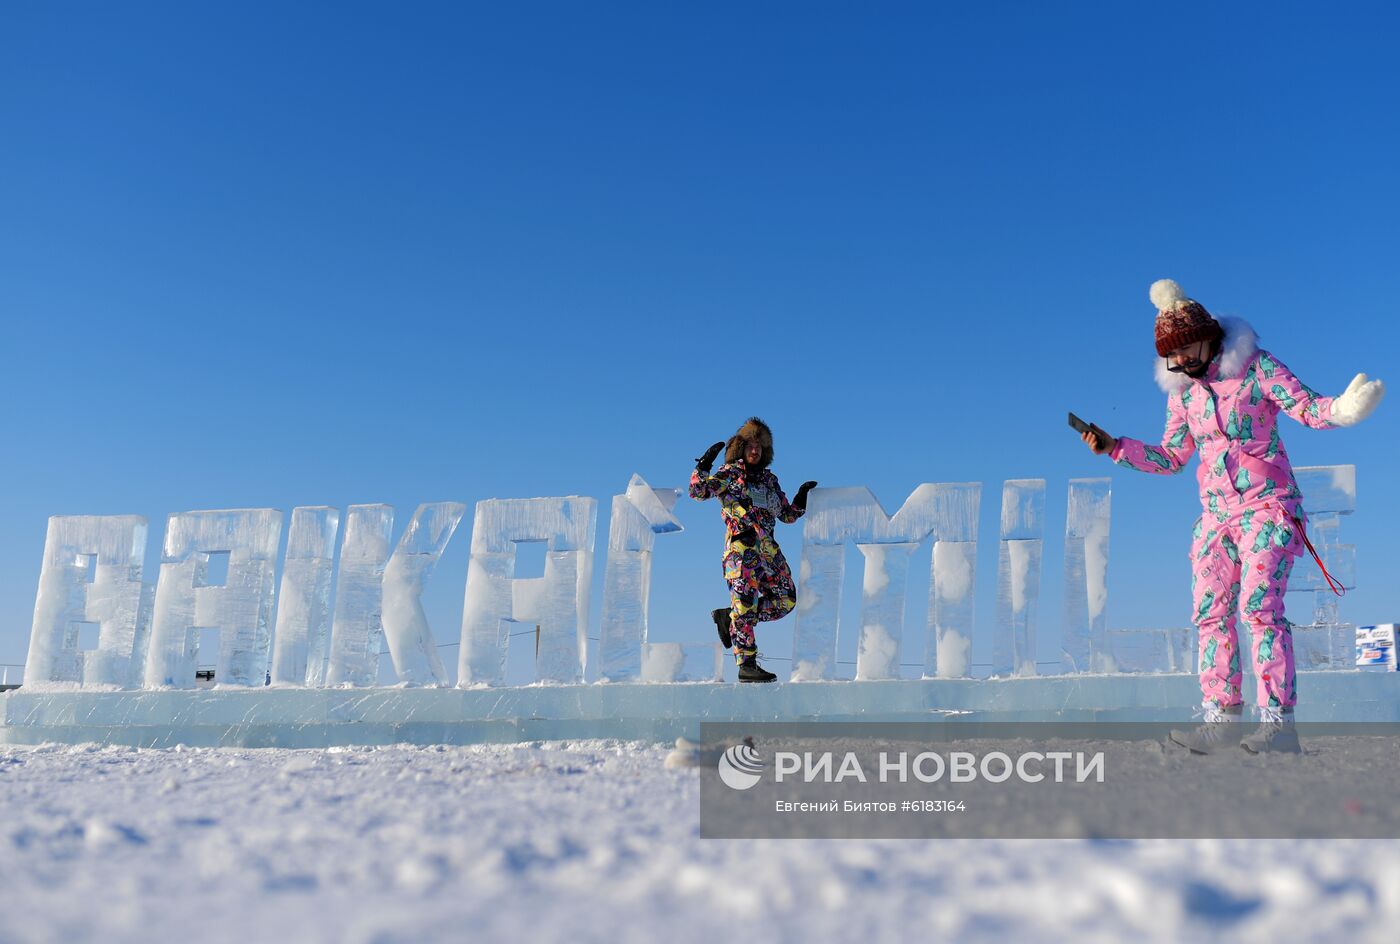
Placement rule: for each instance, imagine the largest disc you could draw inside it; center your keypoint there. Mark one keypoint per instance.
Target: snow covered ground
(589, 841)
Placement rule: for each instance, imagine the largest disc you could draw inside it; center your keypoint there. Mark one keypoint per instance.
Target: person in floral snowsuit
(751, 502)
(1224, 399)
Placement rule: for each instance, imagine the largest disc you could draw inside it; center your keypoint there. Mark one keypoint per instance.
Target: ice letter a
(190, 596)
(91, 574)
(637, 518)
(557, 602)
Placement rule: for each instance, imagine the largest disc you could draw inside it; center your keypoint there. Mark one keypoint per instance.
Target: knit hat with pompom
(1180, 320)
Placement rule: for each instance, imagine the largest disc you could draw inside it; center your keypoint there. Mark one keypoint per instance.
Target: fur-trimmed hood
(753, 430)
(1238, 346)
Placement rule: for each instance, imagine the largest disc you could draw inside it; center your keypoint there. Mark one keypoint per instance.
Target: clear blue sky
(277, 254)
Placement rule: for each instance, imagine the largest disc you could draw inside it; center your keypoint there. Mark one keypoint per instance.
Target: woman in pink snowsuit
(1224, 399)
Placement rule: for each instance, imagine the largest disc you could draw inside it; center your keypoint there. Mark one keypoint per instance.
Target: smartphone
(1082, 427)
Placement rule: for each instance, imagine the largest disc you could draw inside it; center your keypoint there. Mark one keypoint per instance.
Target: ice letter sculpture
(837, 515)
(378, 598)
(91, 574)
(357, 631)
(637, 518)
(1084, 637)
(1329, 494)
(299, 646)
(953, 586)
(410, 638)
(187, 599)
(556, 602)
(1018, 576)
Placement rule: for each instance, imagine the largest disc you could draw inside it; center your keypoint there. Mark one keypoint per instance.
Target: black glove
(800, 500)
(707, 461)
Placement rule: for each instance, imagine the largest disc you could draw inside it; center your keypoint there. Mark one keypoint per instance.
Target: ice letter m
(948, 512)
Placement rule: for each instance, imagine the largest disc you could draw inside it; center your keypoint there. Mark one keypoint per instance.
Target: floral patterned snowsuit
(760, 581)
(1251, 530)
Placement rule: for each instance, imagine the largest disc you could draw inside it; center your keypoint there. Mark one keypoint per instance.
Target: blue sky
(272, 254)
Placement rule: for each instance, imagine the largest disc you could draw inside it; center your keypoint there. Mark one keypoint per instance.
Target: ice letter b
(188, 597)
(91, 573)
(637, 518)
(556, 602)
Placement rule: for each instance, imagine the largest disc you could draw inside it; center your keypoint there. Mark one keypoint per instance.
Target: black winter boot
(751, 671)
(721, 618)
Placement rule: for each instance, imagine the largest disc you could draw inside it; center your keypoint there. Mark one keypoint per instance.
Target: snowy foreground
(589, 840)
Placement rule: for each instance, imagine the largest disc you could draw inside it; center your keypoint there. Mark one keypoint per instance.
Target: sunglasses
(1195, 363)
(1192, 364)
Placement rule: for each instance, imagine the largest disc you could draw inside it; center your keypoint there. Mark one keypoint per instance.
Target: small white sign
(1375, 646)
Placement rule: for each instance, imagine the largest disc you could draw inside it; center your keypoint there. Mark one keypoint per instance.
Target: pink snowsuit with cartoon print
(1250, 533)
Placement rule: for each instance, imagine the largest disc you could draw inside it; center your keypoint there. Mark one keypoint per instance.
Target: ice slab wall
(187, 600)
(1084, 630)
(1018, 576)
(556, 602)
(91, 573)
(835, 516)
(638, 516)
(302, 637)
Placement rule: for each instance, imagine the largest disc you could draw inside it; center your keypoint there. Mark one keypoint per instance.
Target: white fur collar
(1239, 346)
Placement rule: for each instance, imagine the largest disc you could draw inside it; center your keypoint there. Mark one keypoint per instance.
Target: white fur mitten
(1361, 397)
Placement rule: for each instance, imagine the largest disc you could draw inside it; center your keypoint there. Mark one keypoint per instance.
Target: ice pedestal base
(310, 718)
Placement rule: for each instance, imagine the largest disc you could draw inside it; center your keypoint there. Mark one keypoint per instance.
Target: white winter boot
(1275, 734)
(1220, 728)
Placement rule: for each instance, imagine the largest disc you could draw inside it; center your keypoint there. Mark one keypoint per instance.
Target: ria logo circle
(740, 767)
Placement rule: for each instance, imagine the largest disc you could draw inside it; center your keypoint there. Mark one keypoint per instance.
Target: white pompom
(1165, 294)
